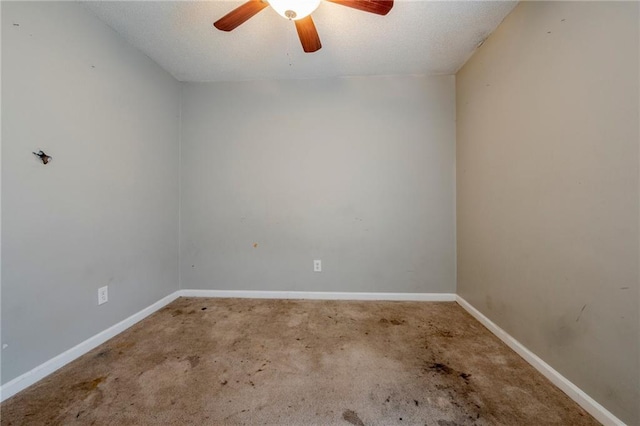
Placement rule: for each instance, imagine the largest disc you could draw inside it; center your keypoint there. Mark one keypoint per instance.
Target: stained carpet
(285, 362)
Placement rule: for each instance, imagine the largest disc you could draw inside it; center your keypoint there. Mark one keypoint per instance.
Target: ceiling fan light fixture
(294, 9)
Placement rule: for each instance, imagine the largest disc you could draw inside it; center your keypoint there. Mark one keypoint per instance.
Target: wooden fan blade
(308, 34)
(379, 7)
(239, 15)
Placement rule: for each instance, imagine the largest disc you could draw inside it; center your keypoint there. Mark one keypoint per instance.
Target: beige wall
(547, 190)
(358, 172)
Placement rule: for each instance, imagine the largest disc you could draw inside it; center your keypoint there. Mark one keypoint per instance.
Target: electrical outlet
(103, 295)
(317, 266)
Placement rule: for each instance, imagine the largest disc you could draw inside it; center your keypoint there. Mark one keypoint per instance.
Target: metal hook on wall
(44, 157)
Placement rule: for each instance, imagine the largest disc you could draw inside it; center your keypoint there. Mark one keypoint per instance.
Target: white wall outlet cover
(103, 295)
(317, 266)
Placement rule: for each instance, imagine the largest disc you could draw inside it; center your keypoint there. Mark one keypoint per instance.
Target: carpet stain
(352, 417)
(391, 321)
(441, 368)
(125, 345)
(103, 353)
(194, 360)
(462, 394)
(89, 385)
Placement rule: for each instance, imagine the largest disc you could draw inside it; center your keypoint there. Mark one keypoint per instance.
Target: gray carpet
(242, 361)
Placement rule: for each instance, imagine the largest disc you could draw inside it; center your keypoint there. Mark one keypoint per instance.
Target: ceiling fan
(298, 11)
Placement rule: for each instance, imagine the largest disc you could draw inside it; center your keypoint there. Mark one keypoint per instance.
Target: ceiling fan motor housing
(298, 11)
(294, 9)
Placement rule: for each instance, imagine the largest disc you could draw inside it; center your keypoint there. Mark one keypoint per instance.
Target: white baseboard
(30, 377)
(600, 413)
(320, 295)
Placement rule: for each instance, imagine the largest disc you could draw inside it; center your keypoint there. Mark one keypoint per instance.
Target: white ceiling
(416, 37)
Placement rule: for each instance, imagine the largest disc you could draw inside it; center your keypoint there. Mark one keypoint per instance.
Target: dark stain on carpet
(194, 360)
(391, 321)
(90, 384)
(103, 353)
(441, 368)
(352, 417)
(447, 423)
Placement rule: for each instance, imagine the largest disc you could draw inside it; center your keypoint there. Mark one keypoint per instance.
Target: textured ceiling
(416, 37)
